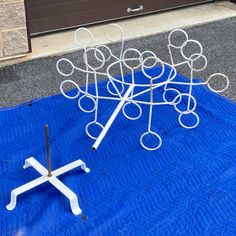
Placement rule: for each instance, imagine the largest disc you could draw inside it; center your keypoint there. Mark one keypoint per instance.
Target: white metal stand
(31, 162)
(122, 88)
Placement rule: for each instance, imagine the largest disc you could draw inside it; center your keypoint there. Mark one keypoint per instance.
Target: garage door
(50, 15)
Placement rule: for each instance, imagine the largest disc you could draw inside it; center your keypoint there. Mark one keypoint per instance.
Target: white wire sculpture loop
(109, 83)
(90, 124)
(191, 59)
(188, 126)
(147, 73)
(184, 45)
(132, 117)
(173, 90)
(69, 82)
(150, 132)
(210, 78)
(115, 93)
(132, 68)
(125, 59)
(120, 30)
(152, 54)
(155, 135)
(64, 73)
(86, 61)
(157, 60)
(88, 43)
(188, 110)
(194, 58)
(90, 37)
(86, 97)
(176, 45)
(99, 48)
(180, 32)
(121, 39)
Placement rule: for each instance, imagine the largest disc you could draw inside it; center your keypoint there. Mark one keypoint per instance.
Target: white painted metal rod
(112, 118)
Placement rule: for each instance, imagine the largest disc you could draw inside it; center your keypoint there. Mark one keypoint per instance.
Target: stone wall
(13, 33)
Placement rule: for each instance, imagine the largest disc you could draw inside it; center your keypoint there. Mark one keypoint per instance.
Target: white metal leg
(112, 118)
(68, 193)
(31, 162)
(71, 166)
(24, 188)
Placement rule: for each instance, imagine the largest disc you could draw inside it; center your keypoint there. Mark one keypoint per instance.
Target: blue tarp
(187, 187)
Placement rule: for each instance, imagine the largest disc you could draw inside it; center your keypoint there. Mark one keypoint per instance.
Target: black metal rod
(48, 151)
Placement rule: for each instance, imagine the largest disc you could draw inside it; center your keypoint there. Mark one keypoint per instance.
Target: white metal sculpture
(128, 89)
(51, 177)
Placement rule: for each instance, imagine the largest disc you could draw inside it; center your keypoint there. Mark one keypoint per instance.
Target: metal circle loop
(86, 97)
(188, 126)
(157, 60)
(90, 38)
(67, 61)
(85, 56)
(116, 92)
(155, 135)
(92, 123)
(192, 60)
(121, 37)
(214, 75)
(64, 93)
(109, 52)
(152, 54)
(129, 117)
(171, 36)
(139, 58)
(188, 42)
(181, 95)
(170, 89)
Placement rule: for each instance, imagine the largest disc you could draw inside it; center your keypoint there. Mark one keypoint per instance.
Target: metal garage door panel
(50, 15)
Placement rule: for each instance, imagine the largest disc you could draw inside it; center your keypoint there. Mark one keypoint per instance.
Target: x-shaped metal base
(31, 162)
